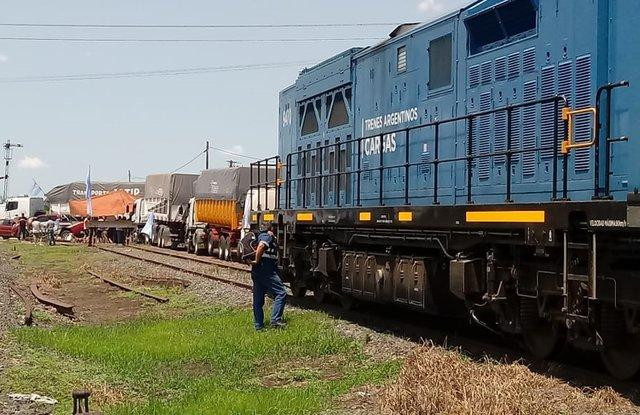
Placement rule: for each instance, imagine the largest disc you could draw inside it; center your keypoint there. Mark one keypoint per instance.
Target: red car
(9, 229)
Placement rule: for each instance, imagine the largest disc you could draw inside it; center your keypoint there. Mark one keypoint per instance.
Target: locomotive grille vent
(547, 90)
(514, 65)
(484, 137)
(500, 131)
(474, 76)
(583, 122)
(486, 73)
(425, 158)
(529, 124)
(565, 88)
(501, 69)
(529, 60)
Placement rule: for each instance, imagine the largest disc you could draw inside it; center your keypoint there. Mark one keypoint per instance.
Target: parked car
(9, 229)
(69, 226)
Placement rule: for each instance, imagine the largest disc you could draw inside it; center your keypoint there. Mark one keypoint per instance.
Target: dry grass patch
(439, 381)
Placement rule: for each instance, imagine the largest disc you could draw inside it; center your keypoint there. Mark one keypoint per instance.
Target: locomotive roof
(407, 29)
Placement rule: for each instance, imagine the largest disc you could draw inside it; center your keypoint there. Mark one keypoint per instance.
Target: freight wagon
(214, 222)
(167, 197)
(479, 165)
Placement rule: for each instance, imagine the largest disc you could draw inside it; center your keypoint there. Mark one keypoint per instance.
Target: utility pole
(232, 163)
(129, 172)
(206, 150)
(8, 155)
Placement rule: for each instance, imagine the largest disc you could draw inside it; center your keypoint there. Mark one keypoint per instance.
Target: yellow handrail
(568, 115)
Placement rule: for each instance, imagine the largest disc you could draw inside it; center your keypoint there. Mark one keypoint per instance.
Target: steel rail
(210, 261)
(128, 288)
(180, 269)
(60, 306)
(28, 308)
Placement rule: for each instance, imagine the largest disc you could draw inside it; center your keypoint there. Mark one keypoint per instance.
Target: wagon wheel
(211, 247)
(190, 246)
(542, 338)
(222, 247)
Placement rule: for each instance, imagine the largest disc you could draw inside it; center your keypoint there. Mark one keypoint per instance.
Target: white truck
(16, 206)
(167, 197)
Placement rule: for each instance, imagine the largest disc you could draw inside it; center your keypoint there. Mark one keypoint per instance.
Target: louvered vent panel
(475, 125)
(514, 65)
(565, 88)
(583, 129)
(484, 137)
(486, 76)
(516, 133)
(500, 135)
(501, 69)
(547, 90)
(425, 158)
(529, 60)
(529, 124)
(474, 76)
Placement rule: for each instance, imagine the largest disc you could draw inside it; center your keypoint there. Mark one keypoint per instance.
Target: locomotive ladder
(579, 283)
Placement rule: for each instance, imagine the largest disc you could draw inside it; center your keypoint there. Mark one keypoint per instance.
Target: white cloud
(3, 58)
(236, 149)
(438, 7)
(431, 6)
(31, 163)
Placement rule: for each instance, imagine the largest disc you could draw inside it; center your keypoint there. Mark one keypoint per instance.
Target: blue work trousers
(266, 280)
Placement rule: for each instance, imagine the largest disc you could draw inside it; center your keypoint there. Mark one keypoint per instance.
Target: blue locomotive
(482, 164)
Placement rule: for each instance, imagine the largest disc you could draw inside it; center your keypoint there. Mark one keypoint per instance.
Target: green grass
(59, 258)
(214, 363)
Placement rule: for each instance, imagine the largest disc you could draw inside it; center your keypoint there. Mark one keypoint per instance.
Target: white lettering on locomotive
(387, 142)
(373, 145)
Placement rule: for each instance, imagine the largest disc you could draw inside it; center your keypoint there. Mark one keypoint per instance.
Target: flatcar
(480, 165)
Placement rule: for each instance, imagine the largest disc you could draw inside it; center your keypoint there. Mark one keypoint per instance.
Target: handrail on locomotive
(560, 150)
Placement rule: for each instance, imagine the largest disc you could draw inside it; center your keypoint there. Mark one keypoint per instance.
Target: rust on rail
(28, 308)
(60, 306)
(126, 287)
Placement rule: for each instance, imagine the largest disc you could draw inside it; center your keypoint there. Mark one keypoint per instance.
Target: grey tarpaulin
(77, 190)
(176, 187)
(223, 184)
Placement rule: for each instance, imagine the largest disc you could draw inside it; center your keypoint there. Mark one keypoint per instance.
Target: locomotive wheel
(541, 338)
(622, 359)
(621, 354)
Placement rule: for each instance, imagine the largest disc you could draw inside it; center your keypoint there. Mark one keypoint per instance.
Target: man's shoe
(278, 325)
(259, 328)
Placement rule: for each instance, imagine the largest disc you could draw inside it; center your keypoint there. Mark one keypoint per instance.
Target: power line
(201, 40)
(189, 162)
(202, 26)
(231, 153)
(138, 74)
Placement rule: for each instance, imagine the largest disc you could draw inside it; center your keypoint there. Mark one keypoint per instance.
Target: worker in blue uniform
(264, 273)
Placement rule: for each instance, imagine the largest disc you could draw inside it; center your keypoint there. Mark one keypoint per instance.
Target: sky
(155, 124)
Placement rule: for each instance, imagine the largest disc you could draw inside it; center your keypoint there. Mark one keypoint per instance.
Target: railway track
(471, 340)
(182, 269)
